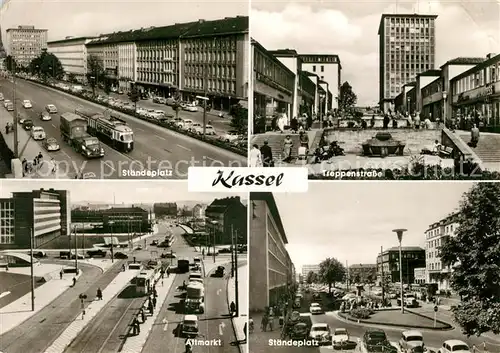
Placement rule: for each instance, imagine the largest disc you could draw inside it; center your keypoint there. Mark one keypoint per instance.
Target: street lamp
(399, 233)
(445, 95)
(214, 223)
(110, 224)
(31, 270)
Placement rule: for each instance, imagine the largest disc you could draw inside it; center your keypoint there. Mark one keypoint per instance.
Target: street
(155, 148)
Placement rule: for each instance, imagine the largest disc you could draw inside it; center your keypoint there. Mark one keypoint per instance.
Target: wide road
(37, 333)
(156, 148)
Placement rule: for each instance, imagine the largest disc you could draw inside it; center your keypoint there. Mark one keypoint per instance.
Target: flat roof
(478, 67)
(271, 203)
(275, 59)
(414, 15)
(69, 40)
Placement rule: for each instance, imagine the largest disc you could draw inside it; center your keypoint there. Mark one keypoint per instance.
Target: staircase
(488, 148)
(314, 139)
(275, 141)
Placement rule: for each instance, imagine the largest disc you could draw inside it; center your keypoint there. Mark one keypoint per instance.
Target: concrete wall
(258, 248)
(415, 140)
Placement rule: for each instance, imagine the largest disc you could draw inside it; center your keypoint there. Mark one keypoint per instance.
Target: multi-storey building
(435, 236)
(272, 267)
(420, 275)
(199, 211)
(214, 61)
(363, 273)
(115, 219)
(477, 92)
(274, 85)
(388, 263)
(406, 48)
(165, 209)
(72, 53)
(26, 43)
(41, 214)
(309, 268)
(228, 218)
(127, 65)
(329, 70)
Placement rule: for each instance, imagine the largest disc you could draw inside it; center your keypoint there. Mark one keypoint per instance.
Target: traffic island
(395, 318)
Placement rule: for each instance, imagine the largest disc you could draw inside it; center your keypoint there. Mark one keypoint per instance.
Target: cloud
(350, 30)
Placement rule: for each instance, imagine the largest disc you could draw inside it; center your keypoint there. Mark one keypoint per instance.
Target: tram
(144, 282)
(111, 130)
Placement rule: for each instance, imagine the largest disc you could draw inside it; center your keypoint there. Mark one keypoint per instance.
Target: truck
(183, 265)
(195, 298)
(74, 132)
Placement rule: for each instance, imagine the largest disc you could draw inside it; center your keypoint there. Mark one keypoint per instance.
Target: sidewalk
(20, 310)
(28, 148)
(240, 321)
(66, 337)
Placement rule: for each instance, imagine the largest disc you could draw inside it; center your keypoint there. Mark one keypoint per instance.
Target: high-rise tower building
(407, 46)
(26, 43)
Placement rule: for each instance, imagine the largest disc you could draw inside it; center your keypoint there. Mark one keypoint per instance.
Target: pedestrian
(61, 274)
(99, 293)
(136, 326)
(151, 307)
(40, 157)
(7, 267)
(255, 157)
(263, 323)
(245, 331)
(143, 315)
(232, 308)
(267, 154)
(74, 281)
(82, 307)
(474, 136)
(154, 302)
(155, 293)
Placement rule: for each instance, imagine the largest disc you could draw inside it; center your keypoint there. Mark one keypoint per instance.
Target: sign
(435, 308)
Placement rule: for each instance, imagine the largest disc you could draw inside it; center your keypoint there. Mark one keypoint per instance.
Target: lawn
(408, 319)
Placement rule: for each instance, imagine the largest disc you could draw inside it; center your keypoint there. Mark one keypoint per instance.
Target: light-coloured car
(45, 116)
(27, 104)
(195, 127)
(189, 326)
(410, 339)
(10, 107)
(340, 335)
(51, 144)
(185, 124)
(38, 133)
(320, 332)
(51, 109)
(190, 108)
(315, 309)
(454, 346)
(209, 130)
(6, 102)
(230, 136)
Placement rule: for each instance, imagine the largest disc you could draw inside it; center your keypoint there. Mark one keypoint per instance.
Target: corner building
(271, 269)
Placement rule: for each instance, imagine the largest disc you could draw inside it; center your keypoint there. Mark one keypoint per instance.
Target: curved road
(156, 148)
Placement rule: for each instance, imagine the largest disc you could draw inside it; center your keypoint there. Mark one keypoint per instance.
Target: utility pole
(32, 272)
(236, 293)
(76, 253)
(111, 237)
(14, 99)
(213, 229)
(382, 280)
(232, 251)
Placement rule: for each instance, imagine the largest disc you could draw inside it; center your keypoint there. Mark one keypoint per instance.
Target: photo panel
(116, 266)
(377, 90)
(89, 92)
(382, 267)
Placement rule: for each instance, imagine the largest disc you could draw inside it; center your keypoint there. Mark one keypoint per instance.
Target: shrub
(361, 313)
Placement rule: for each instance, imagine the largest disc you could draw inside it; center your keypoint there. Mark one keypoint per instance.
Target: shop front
(270, 98)
(481, 103)
(433, 107)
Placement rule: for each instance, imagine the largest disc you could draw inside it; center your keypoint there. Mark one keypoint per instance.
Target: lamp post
(110, 224)
(214, 223)
(76, 250)
(399, 233)
(445, 95)
(32, 271)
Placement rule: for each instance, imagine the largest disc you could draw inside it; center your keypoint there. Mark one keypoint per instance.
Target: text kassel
(232, 179)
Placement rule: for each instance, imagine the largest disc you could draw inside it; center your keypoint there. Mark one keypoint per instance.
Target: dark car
(225, 250)
(299, 331)
(27, 124)
(97, 253)
(221, 270)
(39, 254)
(120, 255)
(154, 243)
(375, 340)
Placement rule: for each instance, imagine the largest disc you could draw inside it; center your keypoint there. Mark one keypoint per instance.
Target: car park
(51, 144)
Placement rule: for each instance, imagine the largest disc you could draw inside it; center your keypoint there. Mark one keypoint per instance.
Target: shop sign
(481, 92)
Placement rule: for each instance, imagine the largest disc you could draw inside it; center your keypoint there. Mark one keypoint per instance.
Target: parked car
(39, 254)
(168, 255)
(209, 130)
(27, 124)
(375, 340)
(185, 124)
(159, 100)
(120, 255)
(230, 136)
(190, 108)
(97, 253)
(51, 144)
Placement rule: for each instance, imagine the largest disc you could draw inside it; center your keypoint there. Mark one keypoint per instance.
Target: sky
(93, 17)
(122, 191)
(468, 28)
(356, 219)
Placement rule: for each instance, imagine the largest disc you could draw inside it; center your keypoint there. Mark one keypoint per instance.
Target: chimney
(490, 55)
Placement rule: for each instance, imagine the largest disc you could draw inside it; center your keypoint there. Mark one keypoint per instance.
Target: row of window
(477, 79)
(435, 266)
(272, 70)
(212, 70)
(6, 238)
(412, 66)
(219, 56)
(212, 85)
(413, 21)
(224, 43)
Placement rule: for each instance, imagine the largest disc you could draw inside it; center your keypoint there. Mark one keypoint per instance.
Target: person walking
(287, 149)
(61, 274)
(255, 158)
(232, 308)
(266, 154)
(474, 136)
(99, 293)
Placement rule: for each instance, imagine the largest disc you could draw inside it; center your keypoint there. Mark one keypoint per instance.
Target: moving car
(321, 333)
(27, 124)
(154, 243)
(10, 107)
(38, 133)
(339, 336)
(410, 339)
(375, 340)
(168, 255)
(159, 100)
(120, 255)
(96, 253)
(27, 104)
(39, 254)
(315, 309)
(299, 331)
(190, 108)
(454, 346)
(51, 109)
(51, 144)
(189, 326)
(45, 116)
(5, 102)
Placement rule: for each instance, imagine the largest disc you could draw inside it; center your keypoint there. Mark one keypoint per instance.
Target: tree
(239, 120)
(347, 98)
(47, 65)
(10, 63)
(72, 78)
(331, 271)
(369, 279)
(135, 96)
(475, 256)
(312, 277)
(95, 71)
(107, 87)
(357, 279)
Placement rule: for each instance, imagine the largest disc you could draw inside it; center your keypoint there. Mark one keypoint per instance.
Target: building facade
(309, 268)
(127, 65)
(3, 53)
(329, 70)
(168, 209)
(363, 273)
(199, 211)
(388, 263)
(272, 268)
(72, 53)
(420, 275)
(115, 219)
(214, 61)
(228, 218)
(407, 46)
(41, 214)
(435, 236)
(26, 43)
(273, 84)
(476, 92)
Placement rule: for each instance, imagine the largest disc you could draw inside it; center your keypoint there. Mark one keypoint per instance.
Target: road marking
(138, 128)
(165, 326)
(4, 294)
(53, 126)
(219, 291)
(221, 328)
(185, 148)
(160, 137)
(110, 166)
(67, 155)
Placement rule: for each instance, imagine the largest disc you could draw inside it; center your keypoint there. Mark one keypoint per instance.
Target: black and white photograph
(114, 266)
(383, 90)
(122, 90)
(385, 267)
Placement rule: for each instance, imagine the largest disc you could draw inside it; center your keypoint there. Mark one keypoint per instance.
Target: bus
(144, 282)
(183, 265)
